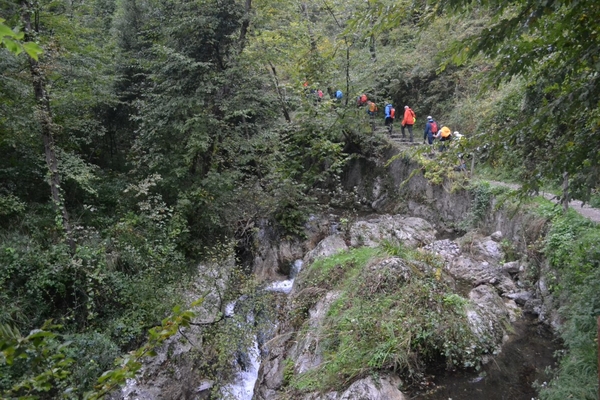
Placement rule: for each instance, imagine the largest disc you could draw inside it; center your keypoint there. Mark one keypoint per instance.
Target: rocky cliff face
(497, 290)
(470, 270)
(487, 289)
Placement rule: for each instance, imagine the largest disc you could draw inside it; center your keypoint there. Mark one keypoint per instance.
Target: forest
(140, 138)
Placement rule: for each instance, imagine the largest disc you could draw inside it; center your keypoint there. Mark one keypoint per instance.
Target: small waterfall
(286, 285)
(242, 388)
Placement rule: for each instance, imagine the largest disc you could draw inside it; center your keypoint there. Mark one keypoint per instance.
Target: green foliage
(327, 272)
(10, 205)
(42, 357)
(480, 205)
(572, 250)
(555, 47)
(13, 41)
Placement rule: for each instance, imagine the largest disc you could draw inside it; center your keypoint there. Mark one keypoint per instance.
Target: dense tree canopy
(141, 136)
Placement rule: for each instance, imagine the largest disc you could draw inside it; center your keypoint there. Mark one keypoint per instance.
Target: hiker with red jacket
(431, 130)
(361, 100)
(408, 121)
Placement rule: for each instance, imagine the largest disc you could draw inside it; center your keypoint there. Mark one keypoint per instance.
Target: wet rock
(272, 261)
(396, 228)
(329, 246)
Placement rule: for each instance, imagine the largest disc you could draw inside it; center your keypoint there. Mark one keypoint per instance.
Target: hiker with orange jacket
(408, 121)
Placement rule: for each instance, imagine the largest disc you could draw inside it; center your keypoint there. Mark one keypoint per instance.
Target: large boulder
(488, 315)
(327, 247)
(306, 352)
(383, 388)
(395, 228)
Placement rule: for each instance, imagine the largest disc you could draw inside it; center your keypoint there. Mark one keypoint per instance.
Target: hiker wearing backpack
(371, 109)
(319, 95)
(408, 121)
(444, 134)
(431, 130)
(339, 95)
(361, 100)
(390, 113)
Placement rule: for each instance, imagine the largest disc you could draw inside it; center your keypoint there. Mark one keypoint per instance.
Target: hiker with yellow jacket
(444, 135)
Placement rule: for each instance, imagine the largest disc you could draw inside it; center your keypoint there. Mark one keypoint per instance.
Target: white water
(286, 285)
(242, 387)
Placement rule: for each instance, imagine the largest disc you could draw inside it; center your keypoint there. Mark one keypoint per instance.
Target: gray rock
(473, 271)
(519, 297)
(487, 315)
(327, 247)
(496, 236)
(396, 228)
(512, 267)
(367, 388)
(306, 352)
(446, 248)
(384, 388)
(533, 306)
(490, 249)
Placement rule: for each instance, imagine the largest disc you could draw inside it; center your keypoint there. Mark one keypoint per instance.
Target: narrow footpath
(403, 143)
(577, 205)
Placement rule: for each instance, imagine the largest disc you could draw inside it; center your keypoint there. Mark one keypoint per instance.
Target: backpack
(434, 127)
(338, 94)
(393, 113)
(372, 107)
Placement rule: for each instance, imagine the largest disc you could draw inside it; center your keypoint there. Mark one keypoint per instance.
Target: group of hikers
(432, 130)
(318, 94)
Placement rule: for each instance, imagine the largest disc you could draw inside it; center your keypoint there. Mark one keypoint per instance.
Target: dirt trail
(584, 210)
(577, 205)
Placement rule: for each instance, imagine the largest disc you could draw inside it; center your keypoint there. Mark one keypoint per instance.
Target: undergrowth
(573, 249)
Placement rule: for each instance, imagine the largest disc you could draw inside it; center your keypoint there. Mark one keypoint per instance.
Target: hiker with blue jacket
(390, 114)
(431, 130)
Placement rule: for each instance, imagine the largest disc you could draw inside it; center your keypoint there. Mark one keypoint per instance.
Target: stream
(242, 388)
(509, 376)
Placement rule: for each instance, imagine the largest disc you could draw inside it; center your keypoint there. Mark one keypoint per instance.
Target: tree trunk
(245, 25)
(286, 114)
(44, 115)
(565, 188)
(372, 39)
(347, 71)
